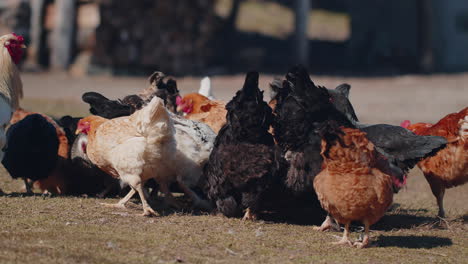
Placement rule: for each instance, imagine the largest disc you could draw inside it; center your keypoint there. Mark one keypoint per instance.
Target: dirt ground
(38, 229)
(385, 99)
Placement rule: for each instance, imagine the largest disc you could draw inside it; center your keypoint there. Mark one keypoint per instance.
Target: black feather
(102, 106)
(242, 164)
(31, 150)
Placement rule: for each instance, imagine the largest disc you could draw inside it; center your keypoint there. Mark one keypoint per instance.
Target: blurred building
(185, 37)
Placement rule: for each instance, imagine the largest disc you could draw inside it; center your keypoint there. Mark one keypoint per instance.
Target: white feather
(205, 88)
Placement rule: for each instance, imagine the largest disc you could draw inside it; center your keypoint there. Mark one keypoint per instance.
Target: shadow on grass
(404, 221)
(426, 242)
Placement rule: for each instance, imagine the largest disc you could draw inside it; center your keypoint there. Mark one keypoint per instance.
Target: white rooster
(11, 89)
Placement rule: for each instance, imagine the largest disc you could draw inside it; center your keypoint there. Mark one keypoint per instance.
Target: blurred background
(200, 37)
(403, 59)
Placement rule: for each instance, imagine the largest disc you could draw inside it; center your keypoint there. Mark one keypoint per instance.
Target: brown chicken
(199, 108)
(449, 167)
(352, 185)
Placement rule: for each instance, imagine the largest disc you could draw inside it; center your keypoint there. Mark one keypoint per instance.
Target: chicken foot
(345, 239)
(249, 215)
(147, 210)
(365, 241)
(328, 224)
(121, 204)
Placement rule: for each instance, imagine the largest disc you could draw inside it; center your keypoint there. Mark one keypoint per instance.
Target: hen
(134, 148)
(102, 106)
(353, 184)
(36, 140)
(11, 89)
(238, 182)
(449, 167)
(194, 144)
(84, 177)
(199, 108)
(300, 106)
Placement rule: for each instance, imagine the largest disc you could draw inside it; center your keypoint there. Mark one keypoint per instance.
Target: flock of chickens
(239, 158)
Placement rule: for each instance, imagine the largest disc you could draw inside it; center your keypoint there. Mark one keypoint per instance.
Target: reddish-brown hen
(199, 108)
(352, 185)
(449, 167)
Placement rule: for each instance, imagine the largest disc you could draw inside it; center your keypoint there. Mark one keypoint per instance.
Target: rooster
(133, 148)
(11, 89)
(353, 184)
(237, 183)
(449, 167)
(199, 108)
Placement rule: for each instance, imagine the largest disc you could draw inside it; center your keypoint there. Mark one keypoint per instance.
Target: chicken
(84, 177)
(353, 185)
(199, 108)
(402, 148)
(11, 88)
(133, 148)
(102, 106)
(449, 167)
(302, 107)
(36, 150)
(237, 183)
(299, 107)
(194, 143)
(166, 90)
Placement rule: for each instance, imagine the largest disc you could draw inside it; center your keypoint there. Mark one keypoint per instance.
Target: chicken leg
(328, 224)
(249, 215)
(28, 185)
(147, 210)
(438, 190)
(345, 239)
(168, 197)
(123, 201)
(196, 200)
(365, 240)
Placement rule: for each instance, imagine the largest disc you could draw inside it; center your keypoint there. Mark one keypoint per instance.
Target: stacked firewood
(168, 35)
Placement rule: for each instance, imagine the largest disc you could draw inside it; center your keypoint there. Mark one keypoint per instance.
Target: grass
(61, 229)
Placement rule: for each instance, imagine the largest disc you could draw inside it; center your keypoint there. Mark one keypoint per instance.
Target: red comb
(178, 100)
(18, 37)
(405, 124)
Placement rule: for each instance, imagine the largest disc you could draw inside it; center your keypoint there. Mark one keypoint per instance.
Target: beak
(77, 131)
(23, 46)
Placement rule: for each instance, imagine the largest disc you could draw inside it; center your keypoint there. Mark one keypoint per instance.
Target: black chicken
(242, 164)
(32, 149)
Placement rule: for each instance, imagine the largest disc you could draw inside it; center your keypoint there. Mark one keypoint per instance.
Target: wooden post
(301, 45)
(426, 28)
(63, 34)
(37, 28)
